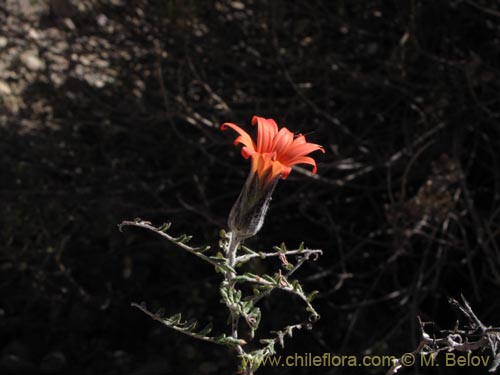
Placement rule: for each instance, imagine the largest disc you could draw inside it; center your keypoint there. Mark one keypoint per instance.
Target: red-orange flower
(274, 154)
(276, 151)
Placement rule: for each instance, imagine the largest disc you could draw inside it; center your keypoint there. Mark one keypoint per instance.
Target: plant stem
(232, 247)
(234, 242)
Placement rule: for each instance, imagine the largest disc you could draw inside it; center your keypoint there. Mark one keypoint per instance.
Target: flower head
(273, 156)
(276, 151)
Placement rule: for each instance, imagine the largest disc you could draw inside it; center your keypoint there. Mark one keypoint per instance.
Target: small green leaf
(165, 226)
(251, 275)
(247, 250)
(201, 249)
(237, 296)
(288, 266)
(311, 296)
(183, 238)
(174, 319)
(269, 278)
(246, 307)
(191, 325)
(205, 331)
(229, 341)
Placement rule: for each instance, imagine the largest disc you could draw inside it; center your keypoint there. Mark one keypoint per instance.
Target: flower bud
(249, 210)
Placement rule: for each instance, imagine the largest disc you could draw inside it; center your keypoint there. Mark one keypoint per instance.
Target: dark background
(109, 110)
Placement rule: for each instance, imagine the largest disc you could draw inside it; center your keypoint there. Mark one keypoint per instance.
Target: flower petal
(266, 131)
(244, 139)
(282, 141)
(247, 152)
(299, 140)
(305, 160)
(285, 171)
(267, 169)
(275, 152)
(298, 150)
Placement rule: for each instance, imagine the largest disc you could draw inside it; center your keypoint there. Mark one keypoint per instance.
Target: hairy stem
(232, 247)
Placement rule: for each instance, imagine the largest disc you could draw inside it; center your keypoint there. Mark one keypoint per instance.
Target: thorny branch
(474, 336)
